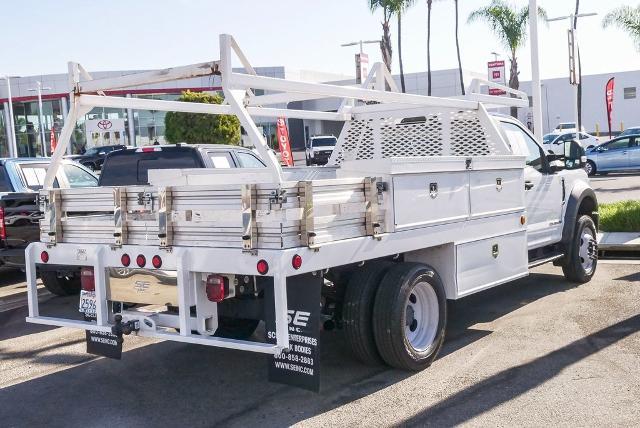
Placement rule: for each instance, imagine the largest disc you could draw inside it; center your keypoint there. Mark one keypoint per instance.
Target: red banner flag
(609, 101)
(282, 134)
(54, 143)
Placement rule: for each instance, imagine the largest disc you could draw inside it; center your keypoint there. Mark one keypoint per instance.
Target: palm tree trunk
(514, 82)
(458, 51)
(400, 52)
(429, 2)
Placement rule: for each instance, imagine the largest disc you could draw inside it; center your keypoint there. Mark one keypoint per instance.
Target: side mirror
(574, 155)
(556, 162)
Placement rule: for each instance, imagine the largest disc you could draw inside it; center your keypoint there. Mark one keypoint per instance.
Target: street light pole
(573, 51)
(360, 43)
(39, 89)
(495, 55)
(13, 149)
(536, 92)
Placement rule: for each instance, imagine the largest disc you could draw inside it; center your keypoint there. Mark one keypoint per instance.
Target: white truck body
(426, 179)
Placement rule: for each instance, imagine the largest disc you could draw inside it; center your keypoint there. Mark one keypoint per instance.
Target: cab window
(78, 177)
(247, 160)
(523, 144)
(221, 160)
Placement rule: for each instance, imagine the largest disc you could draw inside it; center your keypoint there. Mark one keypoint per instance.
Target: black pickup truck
(20, 181)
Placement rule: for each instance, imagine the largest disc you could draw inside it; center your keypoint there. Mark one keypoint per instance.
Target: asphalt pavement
(537, 352)
(615, 187)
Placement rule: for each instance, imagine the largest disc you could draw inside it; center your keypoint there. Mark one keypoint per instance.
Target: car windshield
(549, 138)
(630, 131)
(324, 142)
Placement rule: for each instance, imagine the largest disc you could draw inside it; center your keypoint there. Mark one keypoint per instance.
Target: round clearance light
(296, 262)
(141, 261)
(156, 261)
(125, 260)
(44, 256)
(263, 267)
(523, 220)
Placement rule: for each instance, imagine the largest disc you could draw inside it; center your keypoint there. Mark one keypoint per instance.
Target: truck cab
(319, 149)
(557, 193)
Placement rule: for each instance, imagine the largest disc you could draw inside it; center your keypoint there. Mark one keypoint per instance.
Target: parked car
(619, 154)
(93, 158)
(567, 127)
(548, 138)
(319, 149)
(131, 166)
(556, 145)
(633, 130)
(20, 181)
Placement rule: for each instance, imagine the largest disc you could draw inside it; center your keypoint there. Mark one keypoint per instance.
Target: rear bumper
(188, 263)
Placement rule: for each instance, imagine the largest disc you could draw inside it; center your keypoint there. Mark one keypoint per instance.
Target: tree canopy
(201, 128)
(508, 24)
(626, 18)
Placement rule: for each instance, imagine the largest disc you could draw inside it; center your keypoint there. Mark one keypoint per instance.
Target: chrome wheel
(588, 251)
(421, 316)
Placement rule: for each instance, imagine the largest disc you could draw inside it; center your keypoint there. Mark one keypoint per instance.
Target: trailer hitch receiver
(125, 328)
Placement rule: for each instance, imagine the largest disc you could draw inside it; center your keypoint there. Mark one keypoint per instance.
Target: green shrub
(621, 216)
(200, 128)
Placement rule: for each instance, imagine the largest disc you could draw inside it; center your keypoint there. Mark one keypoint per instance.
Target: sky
(39, 37)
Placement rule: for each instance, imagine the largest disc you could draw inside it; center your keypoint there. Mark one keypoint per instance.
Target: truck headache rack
(409, 172)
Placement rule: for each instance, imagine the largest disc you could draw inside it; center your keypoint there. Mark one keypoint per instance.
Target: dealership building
(143, 127)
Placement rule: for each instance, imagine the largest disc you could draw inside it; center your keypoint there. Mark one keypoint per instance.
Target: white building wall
(558, 104)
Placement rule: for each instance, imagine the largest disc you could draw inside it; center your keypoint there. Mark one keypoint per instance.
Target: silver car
(619, 154)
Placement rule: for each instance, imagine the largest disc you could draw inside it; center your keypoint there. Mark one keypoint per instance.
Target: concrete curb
(619, 241)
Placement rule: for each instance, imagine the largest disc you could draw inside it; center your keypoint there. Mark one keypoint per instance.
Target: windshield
(324, 142)
(549, 138)
(630, 131)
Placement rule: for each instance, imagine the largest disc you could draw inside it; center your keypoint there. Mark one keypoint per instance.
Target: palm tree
(400, 8)
(626, 18)
(510, 25)
(388, 8)
(458, 50)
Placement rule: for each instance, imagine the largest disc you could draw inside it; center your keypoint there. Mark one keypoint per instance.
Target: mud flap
(300, 366)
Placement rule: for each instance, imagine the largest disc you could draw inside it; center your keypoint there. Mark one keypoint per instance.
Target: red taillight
(296, 262)
(44, 256)
(141, 261)
(125, 260)
(217, 287)
(3, 228)
(156, 261)
(87, 280)
(263, 267)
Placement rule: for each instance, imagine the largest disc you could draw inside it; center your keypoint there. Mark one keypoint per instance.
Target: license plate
(87, 302)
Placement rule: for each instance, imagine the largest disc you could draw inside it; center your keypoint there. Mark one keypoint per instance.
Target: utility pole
(362, 59)
(536, 92)
(574, 74)
(39, 89)
(13, 149)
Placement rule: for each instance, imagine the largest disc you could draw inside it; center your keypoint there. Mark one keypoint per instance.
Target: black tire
(573, 268)
(592, 171)
(357, 311)
(236, 328)
(60, 285)
(390, 316)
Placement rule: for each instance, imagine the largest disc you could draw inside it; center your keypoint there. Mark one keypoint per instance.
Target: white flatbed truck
(425, 199)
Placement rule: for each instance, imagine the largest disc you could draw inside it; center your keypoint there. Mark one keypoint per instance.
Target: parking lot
(536, 352)
(616, 187)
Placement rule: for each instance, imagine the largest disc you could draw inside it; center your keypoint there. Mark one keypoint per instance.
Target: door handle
(528, 185)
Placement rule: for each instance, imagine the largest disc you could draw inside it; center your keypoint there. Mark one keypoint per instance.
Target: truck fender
(581, 201)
